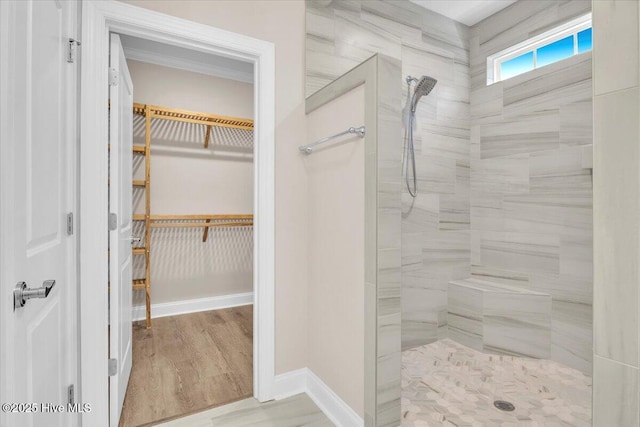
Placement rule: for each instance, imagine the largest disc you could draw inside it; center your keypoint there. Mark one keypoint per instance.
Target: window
(560, 43)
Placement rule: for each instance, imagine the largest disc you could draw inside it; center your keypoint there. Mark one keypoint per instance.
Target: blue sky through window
(518, 65)
(585, 42)
(555, 51)
(547, 54)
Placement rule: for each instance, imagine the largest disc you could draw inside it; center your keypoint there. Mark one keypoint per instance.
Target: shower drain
(504, 405)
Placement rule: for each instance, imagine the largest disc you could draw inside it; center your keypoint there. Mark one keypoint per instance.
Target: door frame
(99, 18)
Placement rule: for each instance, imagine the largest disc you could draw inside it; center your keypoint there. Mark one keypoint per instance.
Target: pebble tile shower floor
(449, 384)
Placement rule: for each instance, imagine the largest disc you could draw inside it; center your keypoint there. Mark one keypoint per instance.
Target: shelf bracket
(206, 231)
(207, 136)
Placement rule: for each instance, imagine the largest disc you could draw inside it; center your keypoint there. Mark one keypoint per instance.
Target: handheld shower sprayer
(424, 86)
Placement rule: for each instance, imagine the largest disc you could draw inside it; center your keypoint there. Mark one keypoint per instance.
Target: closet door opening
(192, 238)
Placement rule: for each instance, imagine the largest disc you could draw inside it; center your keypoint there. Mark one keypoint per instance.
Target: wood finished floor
(189, 363)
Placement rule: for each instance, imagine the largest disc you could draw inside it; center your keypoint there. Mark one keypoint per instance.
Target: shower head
(424, 86)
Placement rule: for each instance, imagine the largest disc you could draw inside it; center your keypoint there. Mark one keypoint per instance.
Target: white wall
(155, 84)
(282, 23)
(188, 179)
(336, 249)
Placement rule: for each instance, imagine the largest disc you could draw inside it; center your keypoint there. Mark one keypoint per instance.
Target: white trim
(572, 27)
(99, 18)
(305, 381)
(193, 305)
(290, 383)
(187, 65)
(331, 404)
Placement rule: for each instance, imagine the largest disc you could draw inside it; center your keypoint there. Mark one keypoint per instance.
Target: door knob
(134, 239)
(21, 293)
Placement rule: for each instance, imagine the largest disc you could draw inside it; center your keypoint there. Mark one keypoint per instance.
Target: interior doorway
(100, 21)
(181, 247)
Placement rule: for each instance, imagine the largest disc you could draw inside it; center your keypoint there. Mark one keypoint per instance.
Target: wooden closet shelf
(150, 112)
(139, 284)
(200, 217)
(193, 117)
(200, 224)
(222, 220)
(217, 217)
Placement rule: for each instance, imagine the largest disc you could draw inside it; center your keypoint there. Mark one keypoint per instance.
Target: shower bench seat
(499, 319)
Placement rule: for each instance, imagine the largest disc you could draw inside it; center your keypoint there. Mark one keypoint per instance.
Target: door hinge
(72, 48)
(113, 77)
(113, 367)
(71, 395)
(70, 223)
(113, 221)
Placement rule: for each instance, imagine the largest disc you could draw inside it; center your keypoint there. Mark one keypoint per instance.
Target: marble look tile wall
(531, 181)
(503, 170)
(500, 319)
(435, 225)
(388, 240)
(616, 163)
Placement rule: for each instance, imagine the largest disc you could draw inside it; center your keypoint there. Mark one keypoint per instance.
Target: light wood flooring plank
(188, 363)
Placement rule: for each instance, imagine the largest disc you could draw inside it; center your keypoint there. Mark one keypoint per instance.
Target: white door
(120, 203)
(37, 185)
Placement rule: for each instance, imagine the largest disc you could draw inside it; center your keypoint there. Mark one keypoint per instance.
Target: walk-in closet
(192, 230)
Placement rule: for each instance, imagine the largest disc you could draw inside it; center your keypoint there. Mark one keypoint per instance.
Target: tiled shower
(497, 245)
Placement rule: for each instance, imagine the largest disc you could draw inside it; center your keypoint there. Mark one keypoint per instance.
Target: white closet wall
(187, 179)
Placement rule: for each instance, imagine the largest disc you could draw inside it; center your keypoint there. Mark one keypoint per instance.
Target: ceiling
(469, 12)
(185, 59)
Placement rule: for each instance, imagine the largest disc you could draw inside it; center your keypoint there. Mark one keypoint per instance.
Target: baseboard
(193, 305)
(290, 383)
(305, 381)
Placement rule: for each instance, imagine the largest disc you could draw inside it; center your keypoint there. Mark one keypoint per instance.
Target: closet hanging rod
(194, 117)
(200, 217)
(308, 149)
(200, 224)
(223, 220)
